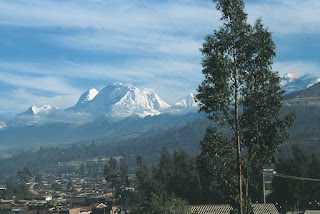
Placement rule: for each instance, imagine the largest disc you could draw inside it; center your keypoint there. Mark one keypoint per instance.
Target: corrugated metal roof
(264, 209)
(312, 212)
(226, 209)
(211, 209)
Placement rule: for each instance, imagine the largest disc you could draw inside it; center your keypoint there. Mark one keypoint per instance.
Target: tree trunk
(247, 191)
(238, 134)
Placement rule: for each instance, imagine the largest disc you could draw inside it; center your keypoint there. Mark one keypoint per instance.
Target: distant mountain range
(309, 97)
(34, 110)
(115, 102)
(292, 82)
(119, 110)
(118, 101)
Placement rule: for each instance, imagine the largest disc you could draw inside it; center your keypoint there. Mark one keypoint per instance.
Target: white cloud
(137, 70)
(19, 100)
(121, 16)
(287, 16)
(47, 83)
(163, 40)
(163, 75)
(133, 43)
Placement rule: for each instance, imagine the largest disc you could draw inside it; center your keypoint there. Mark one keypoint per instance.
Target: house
(75, 211)
(312, 212)
(264, 209)
(226, 209)
(211, 209)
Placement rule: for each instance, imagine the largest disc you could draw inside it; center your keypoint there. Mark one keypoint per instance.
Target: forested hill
(306, 129)
(312, 92)
(148, 145)
(102, 126)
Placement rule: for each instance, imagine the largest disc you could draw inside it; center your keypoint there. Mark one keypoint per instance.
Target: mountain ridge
(292, 82)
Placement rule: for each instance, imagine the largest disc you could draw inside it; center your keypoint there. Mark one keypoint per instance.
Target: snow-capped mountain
(291, 82)
(120, 100)
(88, 95)
(187, 102)
(84, 99)
(289, 77)
(185, 105)
(116, 100)
(156, 102)
(34, 110)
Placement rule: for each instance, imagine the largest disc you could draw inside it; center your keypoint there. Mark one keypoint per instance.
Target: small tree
(241, 91)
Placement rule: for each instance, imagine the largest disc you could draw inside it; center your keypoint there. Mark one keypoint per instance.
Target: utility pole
(264, 187)
(269, 171)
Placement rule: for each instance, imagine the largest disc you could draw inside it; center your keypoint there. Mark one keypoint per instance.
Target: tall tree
(165, 169)
(142, 175)
(112, 175)
(241, 91)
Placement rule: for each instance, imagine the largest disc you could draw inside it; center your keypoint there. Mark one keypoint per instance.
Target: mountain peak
(88, 95)
(292, 75)
(289, 77)
(34, 110)
(118, 84)
(120, 100)
(157, 102)
(188, 101)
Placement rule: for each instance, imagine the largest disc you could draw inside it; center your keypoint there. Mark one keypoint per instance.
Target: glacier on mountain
(34, 110)
(120, 100)
(288, 78)
(116, 100)
(189, 101)
(88, 95)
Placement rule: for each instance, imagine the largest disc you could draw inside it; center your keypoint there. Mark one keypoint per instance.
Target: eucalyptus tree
(241, 92)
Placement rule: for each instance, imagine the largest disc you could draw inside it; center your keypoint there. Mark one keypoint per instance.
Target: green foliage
(24, 174)
(240, 90)
(142, 174)
(186, 182)
(164, 172)
(217, 168)
(173, 183)
(160, 205)
(124, 173)
(177, 174)
(47, 159)
(112, 174)
(15, 190)
(297, 193)
(164, 204)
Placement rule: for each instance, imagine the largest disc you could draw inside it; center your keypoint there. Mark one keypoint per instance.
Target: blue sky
(52, 51)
